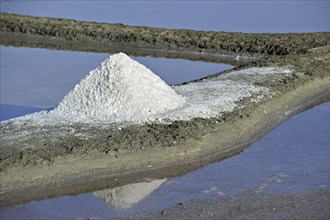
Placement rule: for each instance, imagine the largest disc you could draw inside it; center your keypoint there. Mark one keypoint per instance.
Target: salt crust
(123, 90)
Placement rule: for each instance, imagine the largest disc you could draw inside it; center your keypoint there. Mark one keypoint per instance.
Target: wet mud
(36, 163)
(312, 204)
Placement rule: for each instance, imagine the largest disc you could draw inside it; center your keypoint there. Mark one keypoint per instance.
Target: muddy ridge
(120, 36)
(110, 139)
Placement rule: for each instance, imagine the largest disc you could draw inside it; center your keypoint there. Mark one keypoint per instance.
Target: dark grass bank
(119, 35)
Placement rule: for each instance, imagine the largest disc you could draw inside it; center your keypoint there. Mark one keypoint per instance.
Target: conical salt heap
(121, 89)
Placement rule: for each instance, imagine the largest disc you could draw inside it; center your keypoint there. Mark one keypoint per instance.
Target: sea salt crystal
(120, 89)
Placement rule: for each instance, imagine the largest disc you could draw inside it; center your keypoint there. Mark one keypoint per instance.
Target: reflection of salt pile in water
(128, 195)
(121, 89)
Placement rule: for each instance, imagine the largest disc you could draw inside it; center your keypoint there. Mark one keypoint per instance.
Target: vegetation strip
(119, 35)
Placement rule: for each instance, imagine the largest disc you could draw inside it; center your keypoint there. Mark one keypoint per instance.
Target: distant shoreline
(70, 33)
(44, 164)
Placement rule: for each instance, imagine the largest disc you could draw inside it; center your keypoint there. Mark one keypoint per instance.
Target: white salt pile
(121, 89)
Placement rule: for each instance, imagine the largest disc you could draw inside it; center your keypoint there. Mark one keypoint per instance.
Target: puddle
(293, 157)
(34, 79)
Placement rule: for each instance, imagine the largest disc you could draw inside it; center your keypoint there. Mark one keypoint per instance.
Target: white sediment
(123, 90)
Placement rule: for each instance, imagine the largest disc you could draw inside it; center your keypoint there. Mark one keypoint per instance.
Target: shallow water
(33, 79)
(293, 157)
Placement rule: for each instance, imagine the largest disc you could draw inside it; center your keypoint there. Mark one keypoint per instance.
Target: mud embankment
(100, 36)
(43, 147)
